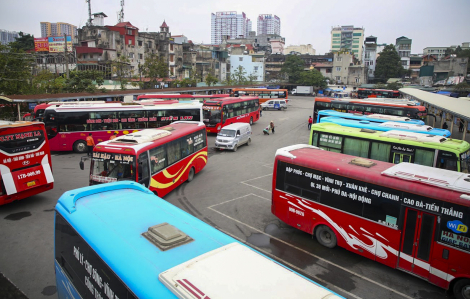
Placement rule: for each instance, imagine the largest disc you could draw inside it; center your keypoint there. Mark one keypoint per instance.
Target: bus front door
(416, 243)
(143, 170)
(399, 157)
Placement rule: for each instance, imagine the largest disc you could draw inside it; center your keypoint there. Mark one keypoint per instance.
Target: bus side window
(143, 166)
(158, 159)
(446, 160)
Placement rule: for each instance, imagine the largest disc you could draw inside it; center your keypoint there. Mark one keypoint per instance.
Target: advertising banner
(56, 44)
(41, 44)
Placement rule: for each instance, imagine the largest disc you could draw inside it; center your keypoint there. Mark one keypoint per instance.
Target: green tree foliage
(292, 67)
(388, 64)
(155, 67)
(23, 43)
(394, 86)
(15, 71)
(464, 86)
(228, 80)
(46, 82)
(83, 81)
(312, 78)
(252, 79)
(122, 69)
(211, 80)
(238, 76)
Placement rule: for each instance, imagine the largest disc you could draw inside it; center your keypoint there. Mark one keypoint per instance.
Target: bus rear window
(21, 141)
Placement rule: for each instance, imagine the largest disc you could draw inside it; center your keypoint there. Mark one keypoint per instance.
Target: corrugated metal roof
(459, 107)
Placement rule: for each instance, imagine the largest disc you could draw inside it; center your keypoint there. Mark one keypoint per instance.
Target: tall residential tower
(269, 24)
(347, 38)
(58, 29)
(228, 23)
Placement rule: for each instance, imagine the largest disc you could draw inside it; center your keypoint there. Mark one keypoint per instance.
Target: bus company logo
(457, 226)
(25, 162)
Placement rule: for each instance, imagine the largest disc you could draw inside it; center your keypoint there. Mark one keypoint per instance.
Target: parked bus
(393, 146)
(368, 107)
(119, 240)
(160, 159)
(377, 93)
(263, 94)
(377, 118)
(180, 97)
(407, 216)
(386, 126)
(219, 113)
(68, 125)
(25, 160)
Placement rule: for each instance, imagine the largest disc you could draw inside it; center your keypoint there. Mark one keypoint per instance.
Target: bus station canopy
(459, 107)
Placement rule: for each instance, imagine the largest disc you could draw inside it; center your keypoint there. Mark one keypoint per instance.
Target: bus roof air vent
(362, 162)
(143, 136)
(165, 236)
(368, 131)
(402, 135)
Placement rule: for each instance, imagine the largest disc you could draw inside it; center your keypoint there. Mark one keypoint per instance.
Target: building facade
(269, 24)
(7, 37)
(228, 23)
(347, 38)
(251, 65)
(58, 29)
(403, 46)
(300, 49)
(370, 55)
(277, 45)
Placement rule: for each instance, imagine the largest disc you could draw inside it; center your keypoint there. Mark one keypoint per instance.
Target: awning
(6, 99)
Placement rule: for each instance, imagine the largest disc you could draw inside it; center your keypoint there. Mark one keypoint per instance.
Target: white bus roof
(235, 271)
(398, 125)
(387, 117)
(422, 137)
(119, 106)
(443, 178)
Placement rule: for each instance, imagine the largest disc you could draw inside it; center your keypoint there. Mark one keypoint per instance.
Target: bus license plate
(207, 130)
(32, 183)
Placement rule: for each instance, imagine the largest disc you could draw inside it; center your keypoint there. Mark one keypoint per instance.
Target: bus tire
(80, 146)
(191, 174)
(461, 289)
(325, 236)
(251, 121)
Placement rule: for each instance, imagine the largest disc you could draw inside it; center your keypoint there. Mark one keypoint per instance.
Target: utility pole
(89, 13)
(66, 57)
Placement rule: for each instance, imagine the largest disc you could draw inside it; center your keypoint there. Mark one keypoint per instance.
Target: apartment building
(269, 24)
(403, 46)
(58, 29)
(7, 37)
(228, 23)
(347, 38)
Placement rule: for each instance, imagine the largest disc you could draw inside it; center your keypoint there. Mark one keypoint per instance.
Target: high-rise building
(347, 38)
(229, 24)
(403, 46)
(370, 55)
(7, 37)
(249, 25)
(269, 24)
(57, 29)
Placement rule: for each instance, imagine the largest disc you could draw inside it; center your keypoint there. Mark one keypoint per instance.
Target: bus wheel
(461, 289)
(251, 121)
(79, 146)
(191, 174)
(325, 236)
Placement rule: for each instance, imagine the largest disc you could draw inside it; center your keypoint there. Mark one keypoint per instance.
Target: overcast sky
(428, 23)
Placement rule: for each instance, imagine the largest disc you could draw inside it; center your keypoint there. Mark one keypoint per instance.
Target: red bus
(160, 159)
(407, 109)
(25, 160)
(180, 97)
(219, 113)
(407, 216)
(68, 125)
(263, 94)
(363, 93)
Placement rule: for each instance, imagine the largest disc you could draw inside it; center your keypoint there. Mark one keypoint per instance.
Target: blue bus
(378, 118)
(386, 126)
(119, 240)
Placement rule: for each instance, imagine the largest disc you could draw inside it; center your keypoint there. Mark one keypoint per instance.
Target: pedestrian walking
(90, 144)
(271, 125)
(444, 126)
(113, 136)
(310, 122)
(461, 126)
(260, 111)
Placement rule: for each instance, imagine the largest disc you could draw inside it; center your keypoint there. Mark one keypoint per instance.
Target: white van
(234, 135)
(274, 104)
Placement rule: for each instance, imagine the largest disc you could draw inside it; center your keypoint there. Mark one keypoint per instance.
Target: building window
(140, 43)
(336, 42)
(240, 58)
(84, 56)
(336, 34)
(256, 68)
(141, 56)
(357, 34)
(371, 62)
(356, 41)
(91, 55)
(339, 59)
(129, 32)
(355, 46)
(328, 71)
(171, 47)
(336, 47)
(131, 55)
(129, 42)
(338, 69)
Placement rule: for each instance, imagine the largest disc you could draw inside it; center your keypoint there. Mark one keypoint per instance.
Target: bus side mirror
(82, 165)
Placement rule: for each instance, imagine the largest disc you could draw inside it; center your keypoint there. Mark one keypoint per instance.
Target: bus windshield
(108, 167)
(212, 115)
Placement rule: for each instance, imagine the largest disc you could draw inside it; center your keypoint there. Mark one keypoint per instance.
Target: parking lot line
(245, 182)
(295, 247)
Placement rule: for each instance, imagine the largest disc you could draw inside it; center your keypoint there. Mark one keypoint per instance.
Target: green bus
(393, 146)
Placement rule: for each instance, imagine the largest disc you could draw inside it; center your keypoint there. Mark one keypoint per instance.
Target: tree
(388, 64)
(47, 82)
(380, 85)
(82, 81)
(464, 86)
(312, 78)
(211, 80)
(24, 42)
(292, 67)
(122, 69)
(15, 71)
(252, 78)
(228, 80)
(394, 86)
(239, 76)
(155, 67)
